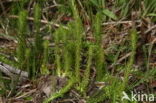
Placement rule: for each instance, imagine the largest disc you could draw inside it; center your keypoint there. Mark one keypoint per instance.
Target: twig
(128, 22)
(151, 28)
(11, 71)
(42, 21)
(67, 101)
(49, 7)
(10, 1)
(119, 22)
(5, 70)
(120, 60)
(3, 8)
(26, 94)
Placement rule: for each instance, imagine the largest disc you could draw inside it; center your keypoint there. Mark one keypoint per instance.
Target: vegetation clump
(81, 51)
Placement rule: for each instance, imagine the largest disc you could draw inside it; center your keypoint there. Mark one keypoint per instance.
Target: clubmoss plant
(38, 45)
(77, 31)
(86, 77)
(44, 67)
(99, 59)
(22, 39)
(129, 66)
(57, 53)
